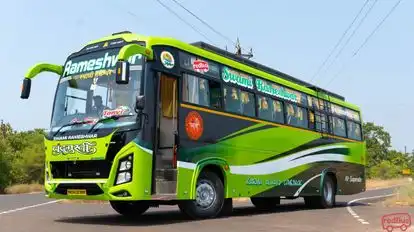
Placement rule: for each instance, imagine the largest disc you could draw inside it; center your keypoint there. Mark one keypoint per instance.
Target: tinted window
(321, 122)
(311, 120)
(296, 116)
(270, 109)
(354, 130)
(338, 110)
(316, 103)
(338, 126)
(201, 91)
(238, 101)
(353, 115)
(87, 90)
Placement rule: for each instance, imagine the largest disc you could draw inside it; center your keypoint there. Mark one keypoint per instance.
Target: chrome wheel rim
(205, 195)
(328, 192)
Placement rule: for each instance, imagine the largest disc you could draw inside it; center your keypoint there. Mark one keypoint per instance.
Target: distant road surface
(34, 212)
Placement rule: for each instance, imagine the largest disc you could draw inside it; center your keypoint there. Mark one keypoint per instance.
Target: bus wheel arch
(327, 193)
(216, 169)
(209, 194)
(331, 173)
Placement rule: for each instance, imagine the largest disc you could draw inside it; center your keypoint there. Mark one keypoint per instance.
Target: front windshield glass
(87, 91)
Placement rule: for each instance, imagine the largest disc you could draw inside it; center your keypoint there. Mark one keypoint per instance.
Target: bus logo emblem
(194, 125)
(200, 66)
(167, 59)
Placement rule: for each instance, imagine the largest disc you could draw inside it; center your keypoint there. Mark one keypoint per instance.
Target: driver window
(75, 101)
(103, 93)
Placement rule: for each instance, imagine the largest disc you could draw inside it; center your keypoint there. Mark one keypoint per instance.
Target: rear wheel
(327, 197)
(130, 208)
(265, 203)
(209, 197)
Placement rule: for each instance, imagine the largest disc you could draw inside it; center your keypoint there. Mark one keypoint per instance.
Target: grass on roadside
(24, 188)
(404, 196)
(378, 183)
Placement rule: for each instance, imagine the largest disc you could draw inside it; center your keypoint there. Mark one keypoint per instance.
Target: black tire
(207, 181)
(265, 203)
(130, 208)
(227, 209)
(327, 199)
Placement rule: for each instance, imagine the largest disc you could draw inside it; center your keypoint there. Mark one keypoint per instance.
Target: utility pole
(239, 50)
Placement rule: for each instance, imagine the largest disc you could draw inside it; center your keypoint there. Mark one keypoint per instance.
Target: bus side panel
(265, 159)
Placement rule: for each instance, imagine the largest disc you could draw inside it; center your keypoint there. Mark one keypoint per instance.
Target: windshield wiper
(70, 124)
(114, 117)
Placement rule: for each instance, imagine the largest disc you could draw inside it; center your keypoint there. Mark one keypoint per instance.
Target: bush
(21, 157)
(24, 188)
(385, 170)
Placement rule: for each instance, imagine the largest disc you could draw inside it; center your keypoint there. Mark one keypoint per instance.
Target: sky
(294, 37)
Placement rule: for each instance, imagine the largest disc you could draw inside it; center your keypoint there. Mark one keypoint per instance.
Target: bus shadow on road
(166, 217)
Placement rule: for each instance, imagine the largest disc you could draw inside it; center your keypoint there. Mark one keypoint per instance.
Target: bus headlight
(125, 165)
(123, 177)
(124, 172)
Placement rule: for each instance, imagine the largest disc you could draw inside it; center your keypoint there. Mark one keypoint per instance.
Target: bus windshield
(87, 91)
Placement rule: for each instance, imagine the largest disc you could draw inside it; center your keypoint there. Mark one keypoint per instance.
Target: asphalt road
(31, 212)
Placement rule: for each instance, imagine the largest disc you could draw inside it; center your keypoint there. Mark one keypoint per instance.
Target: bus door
(167, 127)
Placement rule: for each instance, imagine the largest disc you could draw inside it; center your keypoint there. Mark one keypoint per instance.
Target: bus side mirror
(122, 72)
(27, 83)
(139, 103)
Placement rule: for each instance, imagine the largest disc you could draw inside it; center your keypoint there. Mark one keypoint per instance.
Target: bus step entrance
(166, 181)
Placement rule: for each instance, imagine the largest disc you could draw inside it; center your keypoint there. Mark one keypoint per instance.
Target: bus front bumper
(94, 190)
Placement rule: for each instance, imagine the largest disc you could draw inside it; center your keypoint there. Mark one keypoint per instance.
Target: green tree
(378, 141)
(21, 156)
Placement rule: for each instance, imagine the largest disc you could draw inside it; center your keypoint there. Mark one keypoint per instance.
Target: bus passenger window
(291, 119)
(203, 97)
(196, 90)
(296, 116)
(277, 111)
(201, 91)
(247, 101)
(311, 120)
(215, 94)
(232, 99)
(321, 122)
(339, 127)
(264, 108)
(354, 130)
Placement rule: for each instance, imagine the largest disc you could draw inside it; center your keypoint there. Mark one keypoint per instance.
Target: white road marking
(29, 207)
(355, 215)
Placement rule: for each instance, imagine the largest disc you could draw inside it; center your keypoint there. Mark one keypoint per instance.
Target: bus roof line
(262, 67)
(285, 79)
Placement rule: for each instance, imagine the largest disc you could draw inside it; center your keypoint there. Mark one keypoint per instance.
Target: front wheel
(209, 198)
(129, 208)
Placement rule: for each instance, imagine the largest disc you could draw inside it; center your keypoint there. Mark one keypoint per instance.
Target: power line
(350, 37)
(372, 33)
(183, 20)
(366, 40)
(206, 24)
(339, 41)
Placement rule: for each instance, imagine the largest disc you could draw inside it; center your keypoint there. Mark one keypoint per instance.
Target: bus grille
(81, 169)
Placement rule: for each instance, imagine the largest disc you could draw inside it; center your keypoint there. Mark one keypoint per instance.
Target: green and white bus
(142, 121)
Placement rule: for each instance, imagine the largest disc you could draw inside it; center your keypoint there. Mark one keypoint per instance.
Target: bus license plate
(77, 192)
